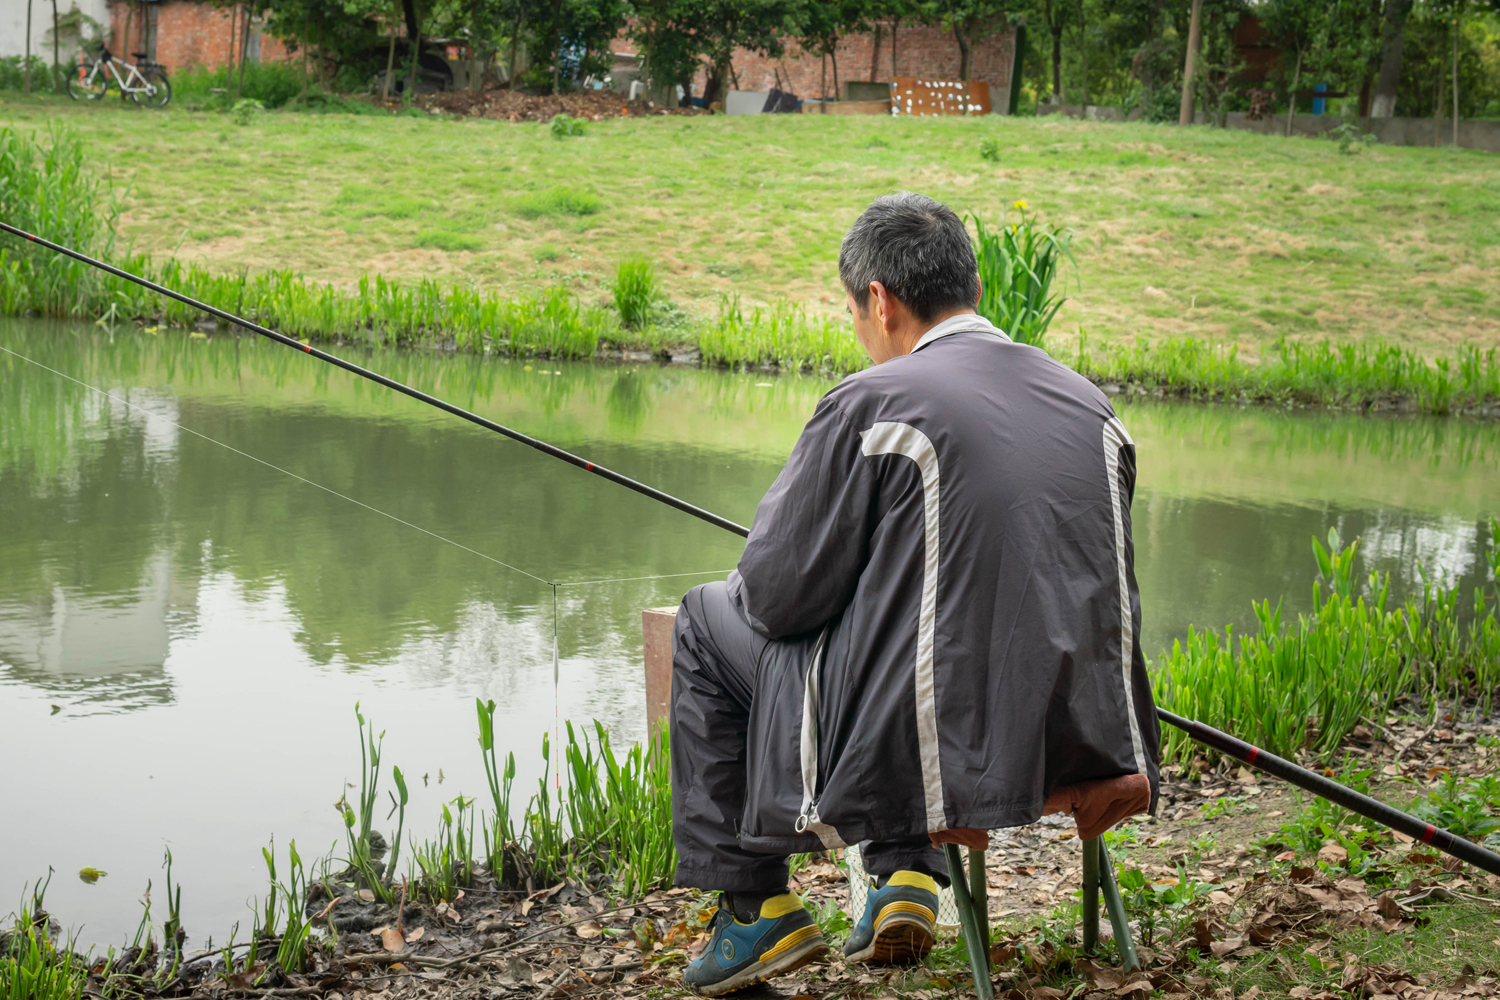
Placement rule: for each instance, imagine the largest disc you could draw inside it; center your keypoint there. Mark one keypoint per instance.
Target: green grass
(557, 201)
(47, 184)
(1234, 234)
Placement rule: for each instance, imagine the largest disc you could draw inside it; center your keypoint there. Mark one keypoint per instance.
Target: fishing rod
(390, 383)
(1436, 836)
(1295, 774)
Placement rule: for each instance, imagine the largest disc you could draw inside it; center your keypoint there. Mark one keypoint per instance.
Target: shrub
(1017, 265)
(558, 201)
(636, 289)
(564, 126)
(273, 84)
(13, 75)
(245, 109)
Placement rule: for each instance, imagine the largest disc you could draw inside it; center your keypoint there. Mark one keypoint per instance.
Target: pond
(200, 576)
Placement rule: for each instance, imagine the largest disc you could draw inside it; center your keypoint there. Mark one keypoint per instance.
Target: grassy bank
(1228, 236)
(49, 189)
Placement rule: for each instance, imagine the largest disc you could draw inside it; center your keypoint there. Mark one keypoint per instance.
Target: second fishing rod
(1295, 774)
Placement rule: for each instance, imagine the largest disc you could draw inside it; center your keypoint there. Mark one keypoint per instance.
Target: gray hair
(917, 248)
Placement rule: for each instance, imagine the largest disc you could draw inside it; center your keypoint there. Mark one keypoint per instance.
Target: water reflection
(196, 614)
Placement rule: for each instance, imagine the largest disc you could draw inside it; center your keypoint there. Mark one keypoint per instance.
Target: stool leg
(1090, 894)
(1123, 939)
(979, 895)
(978, 947)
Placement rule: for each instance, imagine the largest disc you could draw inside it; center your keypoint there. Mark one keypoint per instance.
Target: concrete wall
(13, 25)
(1483, 135)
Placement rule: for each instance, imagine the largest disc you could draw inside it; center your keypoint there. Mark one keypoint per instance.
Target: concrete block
(746, 102)
(656, 631)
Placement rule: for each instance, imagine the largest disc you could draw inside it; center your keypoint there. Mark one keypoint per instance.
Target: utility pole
(1190, 68)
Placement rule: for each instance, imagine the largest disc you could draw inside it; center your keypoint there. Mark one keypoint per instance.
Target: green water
(184, 630)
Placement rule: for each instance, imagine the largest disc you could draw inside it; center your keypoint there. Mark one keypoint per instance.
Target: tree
(1392, 39)
(575, 34)
(57, 76)
(1056, 14)
(1298, 25)
(969, 20)
(669, 50)
(675, 35)
(825, 22)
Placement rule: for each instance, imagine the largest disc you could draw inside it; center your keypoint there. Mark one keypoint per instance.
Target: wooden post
(656, 631)
(1195, 38)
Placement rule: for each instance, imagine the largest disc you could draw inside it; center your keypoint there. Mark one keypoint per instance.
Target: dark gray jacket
(955, 525)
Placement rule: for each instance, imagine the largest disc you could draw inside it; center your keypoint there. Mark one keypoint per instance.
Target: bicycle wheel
(87, 83)
(157, 92)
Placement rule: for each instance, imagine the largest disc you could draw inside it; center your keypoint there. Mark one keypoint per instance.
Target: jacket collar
(965, 323)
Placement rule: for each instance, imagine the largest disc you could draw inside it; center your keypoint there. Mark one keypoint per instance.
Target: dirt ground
(505, 105)
(1263, 913)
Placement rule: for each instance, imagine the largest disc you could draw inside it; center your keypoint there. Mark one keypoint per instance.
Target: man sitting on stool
(933, 624)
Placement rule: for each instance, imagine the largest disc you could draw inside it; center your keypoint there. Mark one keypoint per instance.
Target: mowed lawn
(1200, 231)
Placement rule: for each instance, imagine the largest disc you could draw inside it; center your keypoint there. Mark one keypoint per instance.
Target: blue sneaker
(785, 937)
(899, 924)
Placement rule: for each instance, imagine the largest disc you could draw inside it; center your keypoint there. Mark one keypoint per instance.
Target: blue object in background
(1320, 104)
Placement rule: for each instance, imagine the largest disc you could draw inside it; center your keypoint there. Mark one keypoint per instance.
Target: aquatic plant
(1306, 685)
(362, 850)
(636, 290)
(32, 966)
(447, 862)
(498, 830)
(46, 188)
(782, 335)
(1318, 373)
(1018, 262)
(172, 933)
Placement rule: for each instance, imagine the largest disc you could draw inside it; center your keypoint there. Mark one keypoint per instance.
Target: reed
(781, 335)
(1318, 373)
(1304, 685)
(46, 188)
(1018, 263)
(636, 289)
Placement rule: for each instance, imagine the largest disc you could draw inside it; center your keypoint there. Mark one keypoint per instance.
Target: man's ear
(883, 301)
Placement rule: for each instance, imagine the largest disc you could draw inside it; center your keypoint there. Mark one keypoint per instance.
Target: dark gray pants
(716, 658)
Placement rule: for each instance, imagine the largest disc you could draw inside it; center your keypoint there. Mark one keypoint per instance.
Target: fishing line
(390, 383)
(270, 465)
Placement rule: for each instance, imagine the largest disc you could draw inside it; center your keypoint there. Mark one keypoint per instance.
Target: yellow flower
(1019, 204)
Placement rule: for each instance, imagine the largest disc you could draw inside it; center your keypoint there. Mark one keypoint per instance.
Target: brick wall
(188, 34)
(922, 51)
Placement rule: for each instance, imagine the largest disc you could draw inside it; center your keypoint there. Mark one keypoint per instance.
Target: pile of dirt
(514, 106)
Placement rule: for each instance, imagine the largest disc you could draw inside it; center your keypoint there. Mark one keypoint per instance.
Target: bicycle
(144, 82)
